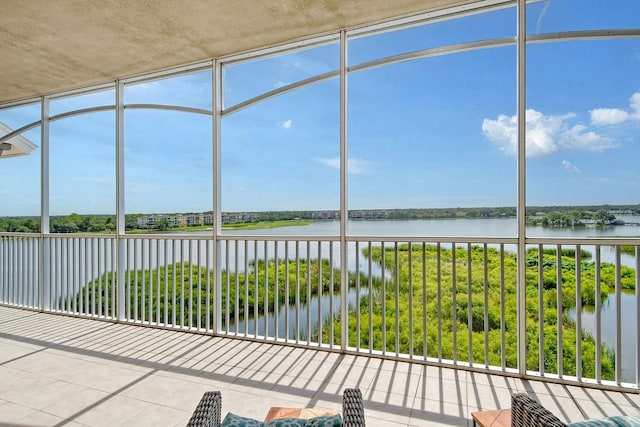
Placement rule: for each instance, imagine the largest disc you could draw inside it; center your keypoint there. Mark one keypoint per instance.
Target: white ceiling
(49, 46)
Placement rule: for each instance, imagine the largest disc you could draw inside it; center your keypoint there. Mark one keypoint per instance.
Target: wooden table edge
(492, 418)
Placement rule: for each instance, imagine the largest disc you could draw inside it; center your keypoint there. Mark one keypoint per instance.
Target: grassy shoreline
(239, 226)
(267, 224)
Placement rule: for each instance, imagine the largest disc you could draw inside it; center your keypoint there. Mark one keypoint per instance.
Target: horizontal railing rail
(449, 301)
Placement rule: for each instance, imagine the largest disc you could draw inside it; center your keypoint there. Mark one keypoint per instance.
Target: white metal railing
(20, 270)
(168, 282)
(80, 272)
(444, 301)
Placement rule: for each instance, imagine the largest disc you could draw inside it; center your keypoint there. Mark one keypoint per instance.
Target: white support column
(217, 94)
(120, 209)
(521, 209)
(344, 211)
(45, 242)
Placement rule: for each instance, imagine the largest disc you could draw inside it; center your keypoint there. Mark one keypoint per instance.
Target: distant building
(325, 215)
(354, 214)
(238, 217)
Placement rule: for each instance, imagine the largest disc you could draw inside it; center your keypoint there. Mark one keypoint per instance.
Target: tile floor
(58, 370)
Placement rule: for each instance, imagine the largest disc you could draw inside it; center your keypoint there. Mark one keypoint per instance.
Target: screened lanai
(437, 184)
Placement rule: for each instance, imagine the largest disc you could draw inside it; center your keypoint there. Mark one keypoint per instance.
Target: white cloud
(608, 116)
(502, 132)
(570, 167)
(355, 166)
(614, 116)
(579, 138)
(287, 124)
(545, 134)
(634, 103)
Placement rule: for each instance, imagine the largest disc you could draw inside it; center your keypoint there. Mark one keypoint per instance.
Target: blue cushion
(325, 421)
(623, 421)
(286, 422)
(233, 420)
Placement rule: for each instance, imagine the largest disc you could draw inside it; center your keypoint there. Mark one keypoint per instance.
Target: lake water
(489, 227)
(628, 304)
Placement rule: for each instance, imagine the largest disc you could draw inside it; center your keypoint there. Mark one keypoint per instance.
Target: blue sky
(433, 132)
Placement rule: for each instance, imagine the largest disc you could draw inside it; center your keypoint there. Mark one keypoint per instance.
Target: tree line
(574, 218)
(553, 216)
(73, 223)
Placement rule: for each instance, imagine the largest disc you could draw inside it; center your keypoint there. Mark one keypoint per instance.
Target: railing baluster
(58, 274)
(439, 298)
(95, 276)
(152, 280)
(357, 304)
(209, 289)
(598, 317)
(21, 275)
(410, 284)
(578, 272)
(618, 345)
(82, 280)
(4, 271)
(66, 273)
(454, 304)
(158, 247)
(266, 290)
(503, 346)
(286, 290)
(105, 270)
(541, 347)
(14, 271)
(384, 299)
(190, 291)
(24, 271)
(199, 278)
(256, 287)
(308, 299)
(21, 271)
(167, 245)
(297, 303)
(35, 256)
(137, 256)
(236, 272)
(182, 280)
(246, 287)
(174, 269)
(319, 261)
(469, 307)
(485, 269)
(424, 301)
(76, 275)
(128, 277)
(114, 275)
(276, 280)
(396, 275)
(331, 294)
(227, 286)
(559, 307)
